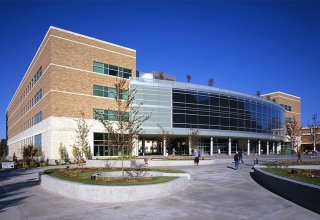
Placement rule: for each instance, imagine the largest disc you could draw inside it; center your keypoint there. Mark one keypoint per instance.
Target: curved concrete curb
(149, 173)
(153, 163)
(303, 194)
(111, 194)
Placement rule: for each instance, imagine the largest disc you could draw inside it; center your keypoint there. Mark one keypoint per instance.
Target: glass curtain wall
(217, 111)
(104, 147)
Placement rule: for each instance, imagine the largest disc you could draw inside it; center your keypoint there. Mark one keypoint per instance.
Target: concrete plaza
(214, 192)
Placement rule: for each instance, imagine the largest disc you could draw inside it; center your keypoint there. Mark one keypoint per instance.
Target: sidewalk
(214, 192)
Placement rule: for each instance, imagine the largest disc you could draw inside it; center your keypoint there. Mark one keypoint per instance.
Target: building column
(211, 146)
(136, 141)
(278, 148)
(143, 146)
(273, 147)
(164, 146)
(189, 146)
(259, 147)
(229, 149)
(248, 146)
(267, 147)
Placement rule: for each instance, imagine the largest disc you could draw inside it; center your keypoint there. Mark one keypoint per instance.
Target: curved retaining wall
(149, 173)
(153, 163)
(303, 194)
(111, 194)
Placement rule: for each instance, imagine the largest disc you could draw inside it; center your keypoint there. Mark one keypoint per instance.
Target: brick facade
(67, 81)
(289, 100)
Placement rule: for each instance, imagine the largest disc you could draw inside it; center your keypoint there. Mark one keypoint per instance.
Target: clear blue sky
(245, 46)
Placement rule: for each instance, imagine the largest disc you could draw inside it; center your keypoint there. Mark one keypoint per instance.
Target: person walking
(173, 152)
(240, 155)
(292, 153)
(219, 151)
(255, 159)
(196, 157)
(236, 160)
(299, 156)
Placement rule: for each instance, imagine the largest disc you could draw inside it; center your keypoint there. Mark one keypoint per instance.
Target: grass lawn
(290, 163)
(83, 175)
(304, 175)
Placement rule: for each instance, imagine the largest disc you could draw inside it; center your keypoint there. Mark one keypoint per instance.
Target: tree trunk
(122, 166)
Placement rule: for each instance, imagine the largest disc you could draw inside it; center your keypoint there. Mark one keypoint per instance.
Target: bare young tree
(193, 139)
(314, 128)
(211, 82)
(294, 133)
(125, 124)
(81, 145)
(166, 139)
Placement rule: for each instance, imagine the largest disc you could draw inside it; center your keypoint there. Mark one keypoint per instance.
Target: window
(37, 118)
(108, 92)
(37, 76)
(286, 107)
(111, 70)
(288, 120)
(98, 67)
(219, 111)
(109, 115)
(37, 96)
(37, 140)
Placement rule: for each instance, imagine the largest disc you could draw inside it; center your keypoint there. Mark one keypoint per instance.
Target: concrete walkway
(214, 192)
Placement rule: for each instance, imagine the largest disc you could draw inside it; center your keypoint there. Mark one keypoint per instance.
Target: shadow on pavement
(9, 195)
(231, 167)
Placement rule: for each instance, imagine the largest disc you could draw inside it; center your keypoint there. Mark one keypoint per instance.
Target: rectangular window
(109, 115)
(288, 120)
(98, 90)
(126, 73)
(111, 70)
(38, 140)
(98, 113)
(109, 92)
(37, 76)
(37, 118)
(286, 107)
(37, 96)
(97, 67)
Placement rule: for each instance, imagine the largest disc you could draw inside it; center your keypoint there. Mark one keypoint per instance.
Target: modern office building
(72, 73)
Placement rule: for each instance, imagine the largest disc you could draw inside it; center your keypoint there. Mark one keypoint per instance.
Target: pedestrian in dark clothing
(299, 156)
(236, 161)
(240, 155)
